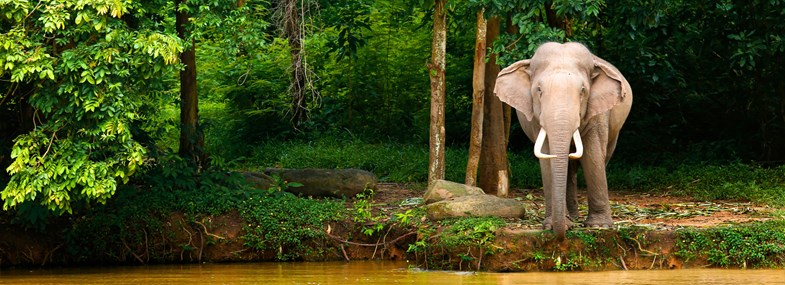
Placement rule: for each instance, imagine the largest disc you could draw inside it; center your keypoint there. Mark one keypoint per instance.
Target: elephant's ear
(513, 86)
(608, 88)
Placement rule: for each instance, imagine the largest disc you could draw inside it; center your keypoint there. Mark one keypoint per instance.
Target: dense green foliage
(277, 223)
(90, 76)
(89, 91)
(84, 83)
(696, 96)
(285, 224)
(755, 245)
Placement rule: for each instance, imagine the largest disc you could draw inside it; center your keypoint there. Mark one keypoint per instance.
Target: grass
(404, 163)
(732, 181)
(391, 162)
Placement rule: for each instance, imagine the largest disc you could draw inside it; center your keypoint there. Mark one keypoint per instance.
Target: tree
(478, 85)
(93, 69)
(191, 135)
(437, 75)
(493, 176)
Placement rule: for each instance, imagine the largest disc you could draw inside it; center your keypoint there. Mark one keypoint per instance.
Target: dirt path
(657, 211)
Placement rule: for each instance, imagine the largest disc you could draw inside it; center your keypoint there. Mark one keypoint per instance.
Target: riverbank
(651, 232)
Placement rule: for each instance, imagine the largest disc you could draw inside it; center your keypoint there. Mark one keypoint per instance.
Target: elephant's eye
(583, 90)
(539, 91)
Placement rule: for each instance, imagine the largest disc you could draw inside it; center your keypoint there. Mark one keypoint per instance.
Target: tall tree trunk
(493, 176)
(292, 20)
(555, 21)
(436, 71)
(478, 84)
(191, 135)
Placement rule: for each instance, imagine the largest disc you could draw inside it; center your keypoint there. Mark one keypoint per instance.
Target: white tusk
(578, 145)
(538, 146)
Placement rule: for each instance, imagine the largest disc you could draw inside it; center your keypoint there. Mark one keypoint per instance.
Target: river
(366, 272)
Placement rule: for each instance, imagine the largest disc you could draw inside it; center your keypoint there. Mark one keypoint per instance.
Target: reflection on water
(364, 272)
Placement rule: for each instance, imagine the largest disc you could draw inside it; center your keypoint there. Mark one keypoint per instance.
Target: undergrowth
(396, 162)
(284, 223)
(471, 238)
(147, 214)
(733, 181)
(755, 245)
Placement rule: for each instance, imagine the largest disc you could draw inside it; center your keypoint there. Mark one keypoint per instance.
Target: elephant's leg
(545, 168)
(593, 164)
(572, 190)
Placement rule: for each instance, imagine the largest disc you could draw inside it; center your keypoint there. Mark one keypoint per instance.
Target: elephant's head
(560, 89)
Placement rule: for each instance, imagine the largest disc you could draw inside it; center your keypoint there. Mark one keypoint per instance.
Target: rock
(475, 206)
(258, 180)
(442, 189)
(326, 182)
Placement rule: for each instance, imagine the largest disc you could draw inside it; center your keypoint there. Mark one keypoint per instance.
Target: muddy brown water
(367, 272)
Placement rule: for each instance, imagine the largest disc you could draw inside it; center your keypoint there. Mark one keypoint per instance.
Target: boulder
(258, 180)
(323, 182)
(475, 206)
(442, 190)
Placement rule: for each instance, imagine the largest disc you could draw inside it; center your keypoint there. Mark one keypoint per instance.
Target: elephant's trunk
(559, 144)
(559, 197)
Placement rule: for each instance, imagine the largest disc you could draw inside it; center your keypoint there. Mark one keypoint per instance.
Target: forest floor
(657, 211)
(651, 231)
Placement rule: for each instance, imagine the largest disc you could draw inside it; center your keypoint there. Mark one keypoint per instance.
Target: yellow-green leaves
(87, 73)
(157, 45)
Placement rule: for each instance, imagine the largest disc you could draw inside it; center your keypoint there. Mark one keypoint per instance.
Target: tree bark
(555, 21)
(493, 176)
(478, 84)
(437, 74)
(191, 135)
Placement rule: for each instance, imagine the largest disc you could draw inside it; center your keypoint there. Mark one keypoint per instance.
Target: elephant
(566, 94)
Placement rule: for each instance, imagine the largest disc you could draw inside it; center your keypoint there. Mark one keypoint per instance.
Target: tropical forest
(155, 132)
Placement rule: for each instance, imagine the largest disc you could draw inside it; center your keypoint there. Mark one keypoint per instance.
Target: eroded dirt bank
(651, 232)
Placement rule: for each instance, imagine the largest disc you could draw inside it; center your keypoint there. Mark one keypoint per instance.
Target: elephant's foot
(547, 224)
(598, 222)
(574, 217)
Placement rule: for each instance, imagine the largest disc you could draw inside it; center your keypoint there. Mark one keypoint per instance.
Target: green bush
(285, 224)
(753, 245)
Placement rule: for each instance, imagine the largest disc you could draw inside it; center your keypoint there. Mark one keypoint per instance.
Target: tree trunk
(478, 84)
(191, 135)
(293, 33)
(555, 21)
(493, 177)
(436, 71)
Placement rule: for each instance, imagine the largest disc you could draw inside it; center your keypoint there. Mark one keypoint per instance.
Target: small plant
(472, 231)
(569, 264)
(280, 184)
(405, 217)
(363, 214)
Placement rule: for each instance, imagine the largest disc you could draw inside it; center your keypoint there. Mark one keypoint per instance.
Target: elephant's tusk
(578, 145)
(538, 146)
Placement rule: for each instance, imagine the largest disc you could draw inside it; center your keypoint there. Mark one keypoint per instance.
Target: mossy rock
(317, 182)
(441, 190)
(476, 206)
